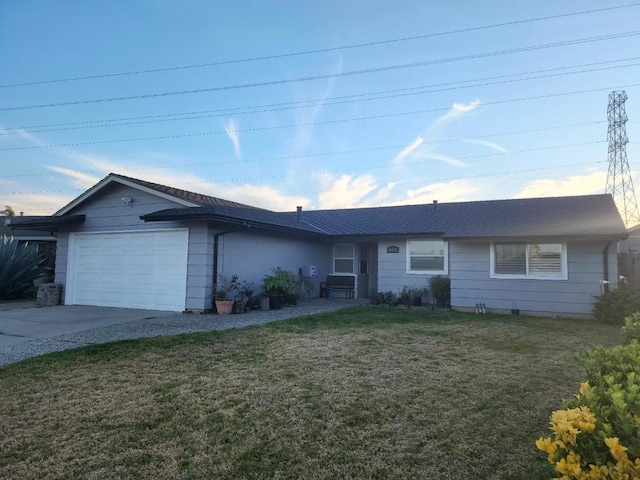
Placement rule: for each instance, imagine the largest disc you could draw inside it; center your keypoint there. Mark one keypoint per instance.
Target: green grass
(364, 392)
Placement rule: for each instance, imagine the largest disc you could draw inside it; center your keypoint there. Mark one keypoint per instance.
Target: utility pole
(619, 182)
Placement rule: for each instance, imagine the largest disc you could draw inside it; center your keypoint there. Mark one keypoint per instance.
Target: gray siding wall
(631, 244)
(106, 212)
(251, 255)
(471, 283)
(392, 268)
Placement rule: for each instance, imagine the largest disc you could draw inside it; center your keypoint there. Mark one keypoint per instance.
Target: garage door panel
(133, 269)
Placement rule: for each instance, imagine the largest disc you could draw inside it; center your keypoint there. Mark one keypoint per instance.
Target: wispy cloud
(414, 150)
(231, 129)
(39, 203)
(409, 149)
(32, 201)
(17, 133)
(381, 196)
(78, 179)
(448, 159)
(263, 195)
(593, 182)
(493, 146)
(304, 134)
(457, 111)
(453, 191)
(345, 191)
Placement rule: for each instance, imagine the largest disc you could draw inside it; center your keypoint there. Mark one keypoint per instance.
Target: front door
(365, 271)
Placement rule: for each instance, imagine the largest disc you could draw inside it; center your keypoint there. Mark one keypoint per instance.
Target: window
(427, 256)
(343, 257)
(545, 261)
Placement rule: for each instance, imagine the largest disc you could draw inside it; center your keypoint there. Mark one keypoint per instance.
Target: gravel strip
(160, 326)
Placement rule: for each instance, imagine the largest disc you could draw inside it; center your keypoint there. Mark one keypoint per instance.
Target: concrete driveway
(25, 324)
(30, 332)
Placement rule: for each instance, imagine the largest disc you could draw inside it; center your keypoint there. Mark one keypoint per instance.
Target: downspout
(215, 251)
(605, 266)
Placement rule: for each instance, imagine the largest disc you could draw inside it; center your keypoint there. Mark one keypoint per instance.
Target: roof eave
(50, 224)
(370, 236)
(582, 236)
(226, 219)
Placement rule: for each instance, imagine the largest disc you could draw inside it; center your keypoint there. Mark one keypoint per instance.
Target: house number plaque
(393, 249)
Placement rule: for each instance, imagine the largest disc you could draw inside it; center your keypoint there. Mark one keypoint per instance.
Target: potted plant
(245, 292)
(265, 302)
(280, 286)
(222, 291)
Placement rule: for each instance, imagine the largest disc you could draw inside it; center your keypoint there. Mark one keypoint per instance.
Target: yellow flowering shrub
(597, 436)
(569, 428)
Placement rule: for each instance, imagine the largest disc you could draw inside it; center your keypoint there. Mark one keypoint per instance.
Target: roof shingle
(587, 215)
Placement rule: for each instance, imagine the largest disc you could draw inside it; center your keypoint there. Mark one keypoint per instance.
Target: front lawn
(364, 392)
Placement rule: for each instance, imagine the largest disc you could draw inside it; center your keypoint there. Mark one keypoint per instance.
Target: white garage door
(132, 269)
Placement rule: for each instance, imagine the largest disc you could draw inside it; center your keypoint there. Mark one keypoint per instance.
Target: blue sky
(452, 130)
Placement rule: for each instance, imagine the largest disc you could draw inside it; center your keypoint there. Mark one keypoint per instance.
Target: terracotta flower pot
(224, 307)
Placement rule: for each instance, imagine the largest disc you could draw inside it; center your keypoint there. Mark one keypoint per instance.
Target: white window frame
(445, 271)
(563, 276)
(352, 258)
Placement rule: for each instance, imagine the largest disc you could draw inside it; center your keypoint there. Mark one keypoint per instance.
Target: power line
(279, 104)
(411, 163)
(325, 122)
(331, 75)
(487, 155)
(449, 179)
(368, 149)
(63, 127)
(323, 50)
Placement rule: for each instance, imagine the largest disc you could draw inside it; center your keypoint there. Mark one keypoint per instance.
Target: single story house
(131, 243)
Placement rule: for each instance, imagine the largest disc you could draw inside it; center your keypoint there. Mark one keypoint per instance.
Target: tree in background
(8, 211)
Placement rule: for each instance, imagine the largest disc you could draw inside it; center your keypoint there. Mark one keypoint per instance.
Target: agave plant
(19, 267)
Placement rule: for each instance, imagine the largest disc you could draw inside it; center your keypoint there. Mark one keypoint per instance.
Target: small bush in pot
(242, 301)
(222, 294)
(281, 286)
(441, 290)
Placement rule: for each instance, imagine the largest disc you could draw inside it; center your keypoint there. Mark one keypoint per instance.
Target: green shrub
(605, 366)
(631, 329)
(375, 298)
(441, 290)
(410, 296)
(19, 267)
(384, 298)
(280, 282)
(612, 307)
(599, 431)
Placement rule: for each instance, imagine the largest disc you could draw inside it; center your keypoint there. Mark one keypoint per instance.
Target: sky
(332, 104)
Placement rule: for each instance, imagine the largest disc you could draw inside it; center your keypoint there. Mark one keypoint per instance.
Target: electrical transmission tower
(619, 183)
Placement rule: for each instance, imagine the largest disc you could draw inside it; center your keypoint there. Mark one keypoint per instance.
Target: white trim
(492, 264)
(426, 272)
(70, 274)
(111, 178)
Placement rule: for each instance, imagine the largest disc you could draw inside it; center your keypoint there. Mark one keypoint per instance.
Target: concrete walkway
(30, 332)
